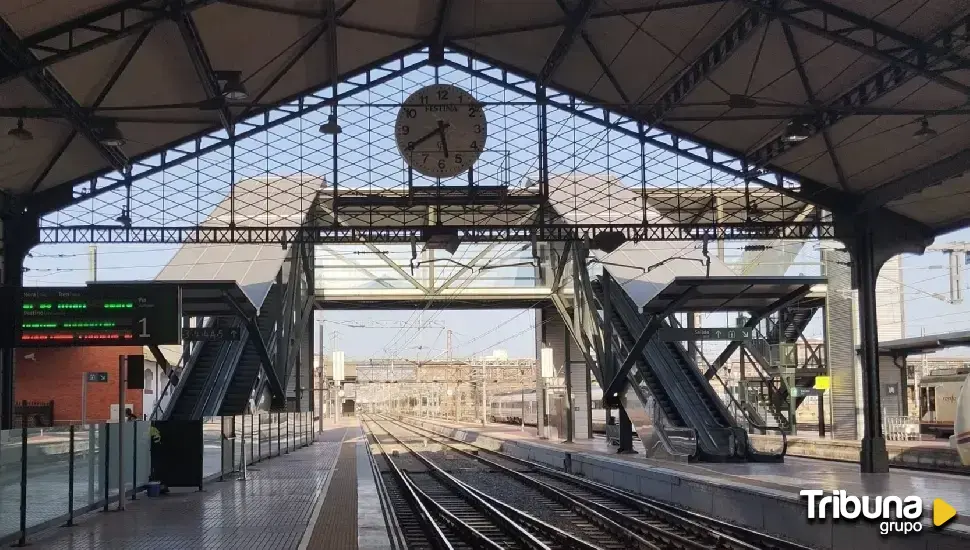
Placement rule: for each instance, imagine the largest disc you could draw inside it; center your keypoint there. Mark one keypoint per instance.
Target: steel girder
(436, 42)
(869, 90)
(814, 229)
(574, 25)
(89, 31)
(200, 59)
(916, 181)
(712, 58)
(16, 56)
(208, 141)
(865, 36)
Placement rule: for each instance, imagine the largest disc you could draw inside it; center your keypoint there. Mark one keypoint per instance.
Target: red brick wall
(55, 373)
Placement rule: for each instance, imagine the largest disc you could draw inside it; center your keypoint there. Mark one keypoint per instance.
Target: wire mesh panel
(547, 166)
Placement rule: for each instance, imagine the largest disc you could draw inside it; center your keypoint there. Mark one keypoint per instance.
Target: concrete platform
(760, 496)
(287, 502)
(919, 455)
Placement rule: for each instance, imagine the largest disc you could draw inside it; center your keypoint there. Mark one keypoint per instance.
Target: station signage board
(738, 334)
(212, 334)
(123, 314)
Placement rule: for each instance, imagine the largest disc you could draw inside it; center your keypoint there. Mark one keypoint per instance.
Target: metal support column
(873, 456)
(626, 434)
(20, 233)
(607, 370)
(568, 374)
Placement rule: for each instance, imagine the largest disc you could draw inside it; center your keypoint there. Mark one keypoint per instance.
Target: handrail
(187, 365)
(220, 378)
(226, 349)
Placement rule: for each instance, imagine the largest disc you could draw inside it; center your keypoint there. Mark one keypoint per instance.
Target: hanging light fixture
(110, 135)
(924, 132)
(797, 131)
(232, 87)
(20, 132)
(330, 127)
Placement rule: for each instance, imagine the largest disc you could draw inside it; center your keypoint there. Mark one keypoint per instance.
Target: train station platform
(318, 497)
(932, 455)
(758, 495)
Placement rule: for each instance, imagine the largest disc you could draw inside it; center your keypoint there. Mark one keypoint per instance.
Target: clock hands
(444, 141)
(440, 129)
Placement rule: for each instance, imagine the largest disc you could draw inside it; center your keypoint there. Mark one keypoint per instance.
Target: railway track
(451, 514)
(648, 523)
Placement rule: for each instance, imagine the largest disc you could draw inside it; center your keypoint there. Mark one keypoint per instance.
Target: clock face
(441, 131)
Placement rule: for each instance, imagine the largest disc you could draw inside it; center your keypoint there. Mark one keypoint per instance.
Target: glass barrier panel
(143, 453)
(211, 446)
(48, 457)
(88, 488)
(228, 424)
(10, 449)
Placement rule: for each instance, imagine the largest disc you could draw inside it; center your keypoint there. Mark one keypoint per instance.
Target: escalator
(677, 385)
(247, 371)
(199, 390)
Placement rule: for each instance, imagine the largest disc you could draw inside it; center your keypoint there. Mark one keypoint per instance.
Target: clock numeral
(424, 100)
(424, 159)
(441, 164)
(478, 128)
(405, 130)
(443, 95)
(474, 146)
(410, 146)
(411, 113)
(458, 158)
(473, 111)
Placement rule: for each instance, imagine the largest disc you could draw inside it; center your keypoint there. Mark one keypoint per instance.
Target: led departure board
(97, 315)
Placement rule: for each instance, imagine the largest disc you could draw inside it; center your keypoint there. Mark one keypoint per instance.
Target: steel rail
(416, 498)
(514, 517)
(717, 532)
(592, 511)
(468, 533)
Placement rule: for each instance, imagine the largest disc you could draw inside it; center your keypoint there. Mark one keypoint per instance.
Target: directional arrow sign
(212, 334)
(706, 333)
(97, 377)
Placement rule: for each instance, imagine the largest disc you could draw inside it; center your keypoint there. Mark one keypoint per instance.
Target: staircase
(787, 330)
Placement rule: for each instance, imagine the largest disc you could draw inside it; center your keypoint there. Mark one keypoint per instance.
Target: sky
(369, 157)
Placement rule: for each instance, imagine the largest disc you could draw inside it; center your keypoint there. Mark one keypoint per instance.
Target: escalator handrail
(218, 387)
(226, 350)
(187, 367)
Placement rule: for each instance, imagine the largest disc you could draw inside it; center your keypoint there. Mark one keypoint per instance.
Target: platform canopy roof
(855, 78)
(924, 344)
(747, 294)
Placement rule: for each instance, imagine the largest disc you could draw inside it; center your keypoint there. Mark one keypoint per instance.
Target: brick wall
(43, 374)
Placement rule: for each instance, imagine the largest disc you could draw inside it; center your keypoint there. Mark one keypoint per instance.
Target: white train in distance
(961, 424)
(514, 407)
(938, 395)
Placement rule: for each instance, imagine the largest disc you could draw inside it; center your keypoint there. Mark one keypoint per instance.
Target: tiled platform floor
(270, 510)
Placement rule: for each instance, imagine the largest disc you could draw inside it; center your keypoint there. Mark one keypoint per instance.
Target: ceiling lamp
(739, 101)
(330, 128)
(797, 131)
(232, 87)
(924, 132)
(110, 135)
(20, 132)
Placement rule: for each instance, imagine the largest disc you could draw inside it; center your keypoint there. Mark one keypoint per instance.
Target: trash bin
(154, 488)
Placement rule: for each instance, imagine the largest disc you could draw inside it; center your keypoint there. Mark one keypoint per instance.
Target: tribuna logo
(894, 514)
